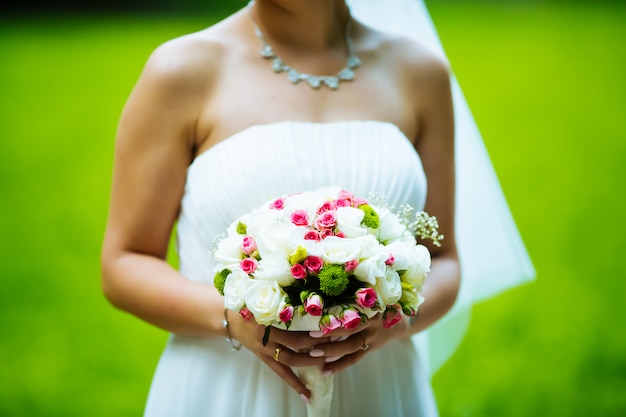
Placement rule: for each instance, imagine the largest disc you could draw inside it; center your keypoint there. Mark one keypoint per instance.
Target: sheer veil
(493, 255)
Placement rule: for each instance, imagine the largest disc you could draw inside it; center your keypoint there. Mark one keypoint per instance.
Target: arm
(154, 146)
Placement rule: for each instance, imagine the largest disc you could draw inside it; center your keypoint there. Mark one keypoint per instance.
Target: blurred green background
(546, 83)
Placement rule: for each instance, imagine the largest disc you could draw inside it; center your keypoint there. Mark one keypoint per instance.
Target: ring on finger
(364, 346)
(276, 353)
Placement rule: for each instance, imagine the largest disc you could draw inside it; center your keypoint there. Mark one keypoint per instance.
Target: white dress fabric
(205, 377)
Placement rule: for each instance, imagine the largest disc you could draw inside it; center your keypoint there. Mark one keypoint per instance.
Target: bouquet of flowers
(321, 260)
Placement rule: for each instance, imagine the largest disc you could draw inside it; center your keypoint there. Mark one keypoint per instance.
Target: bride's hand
(347, 347)
(283, 350)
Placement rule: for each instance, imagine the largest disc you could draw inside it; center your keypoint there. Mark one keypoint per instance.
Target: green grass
(546, 85)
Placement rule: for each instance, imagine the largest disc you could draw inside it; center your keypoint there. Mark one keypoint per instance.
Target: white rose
(274, 267)
(264, 300)
(389, 288)
(369, 269)
(308, 201)
(369, 245)
(234, 288)
(260, 219)
(349, 221)
(276, 237)
(336, 250)
(229, 250)
(403, 253)
(390, 228)
(419, 267)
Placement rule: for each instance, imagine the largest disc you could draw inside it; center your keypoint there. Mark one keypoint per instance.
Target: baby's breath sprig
(215, 242)
(426, 227)
(423, 225)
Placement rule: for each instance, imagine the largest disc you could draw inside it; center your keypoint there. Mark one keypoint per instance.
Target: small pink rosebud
(300, 218)
(298, 271)
(249, 265)
(350, 266)
(326, 233)
(340, 234)
(366, 297)
(326, 220)
(345, 195)
(314, 305)
(328, 323)
(286, 314)
(313, 235)
(350, 319)
(327, 206)
(313, 264)
(390, 260)
(356, 201)
(278, 204)
(392, 315)
(344, 202)
(246, 314)
(248, 245)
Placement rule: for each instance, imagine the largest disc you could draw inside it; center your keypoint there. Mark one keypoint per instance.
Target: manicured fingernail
(333, 359)
(305, 399)
(335, 338)
(316, 334)
(327, 372)
(316, 353)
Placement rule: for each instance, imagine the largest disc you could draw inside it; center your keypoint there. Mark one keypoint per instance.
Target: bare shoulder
(185, 64)
(424, 64)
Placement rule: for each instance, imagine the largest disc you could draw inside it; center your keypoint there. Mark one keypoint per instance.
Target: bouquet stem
(321, 390)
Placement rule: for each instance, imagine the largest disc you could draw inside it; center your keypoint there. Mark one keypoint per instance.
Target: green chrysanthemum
(370, 219)
(219, 281)
(241, 228)
(333, 280)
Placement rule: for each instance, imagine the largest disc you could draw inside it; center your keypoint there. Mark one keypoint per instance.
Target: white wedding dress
(205, 377)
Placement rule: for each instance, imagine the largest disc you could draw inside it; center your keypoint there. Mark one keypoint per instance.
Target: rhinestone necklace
(315, 81)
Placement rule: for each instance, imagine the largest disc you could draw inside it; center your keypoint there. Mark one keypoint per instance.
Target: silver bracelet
(229, 339)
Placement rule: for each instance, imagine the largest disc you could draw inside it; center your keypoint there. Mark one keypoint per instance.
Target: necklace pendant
(293, 76)
(277, 65)
(313, 81)
(331, 82)
(353, 61)
(267, 52)
(346, 75)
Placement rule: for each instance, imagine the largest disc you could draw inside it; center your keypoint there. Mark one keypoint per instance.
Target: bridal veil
(493, 255)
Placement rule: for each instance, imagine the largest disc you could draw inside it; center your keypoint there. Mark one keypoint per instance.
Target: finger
(286, 356)
(296, 340)
(334, 350)
(288, 376)
(344, 362)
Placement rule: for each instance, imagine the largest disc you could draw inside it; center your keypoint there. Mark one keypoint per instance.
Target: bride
(282, 96)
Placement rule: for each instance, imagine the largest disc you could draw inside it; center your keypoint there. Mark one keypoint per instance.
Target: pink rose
(248, 245)
(248, 265)
(340, 234)
(392, 315)
(313, 235)
(327, 206)
(366, 297)
(350, 318)
(313, 264)
(298, 271)
(246, 314)
(356, 202)
(326, 220)
(286, 314)
(328, 323)
(326, 233)
(390, 260)
(345, 195)
(350, 266)
(278, 204)
(300, 218)
(343, 202)
(314, 305)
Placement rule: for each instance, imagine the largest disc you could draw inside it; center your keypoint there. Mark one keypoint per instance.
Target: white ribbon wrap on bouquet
(493, 256)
